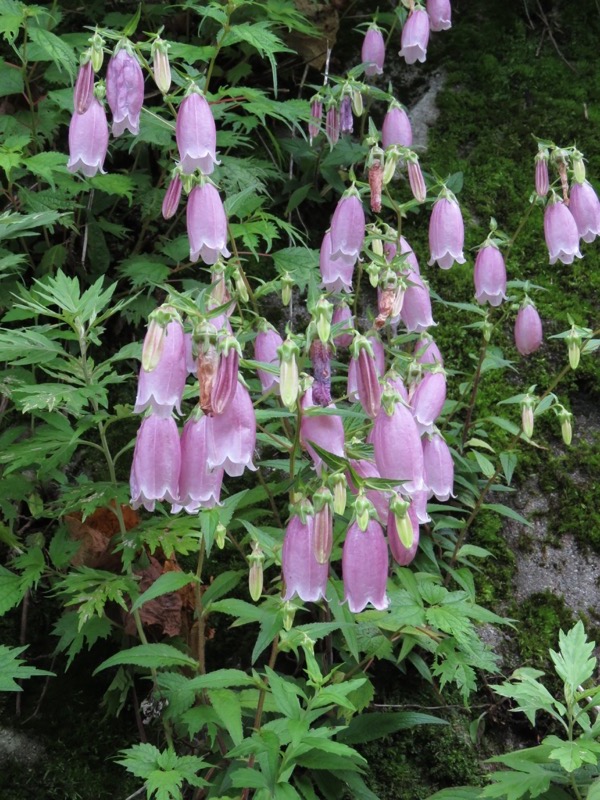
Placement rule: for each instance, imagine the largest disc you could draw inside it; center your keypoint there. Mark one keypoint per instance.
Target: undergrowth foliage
(300, 351)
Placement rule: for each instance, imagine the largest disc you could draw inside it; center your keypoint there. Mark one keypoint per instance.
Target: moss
(540, 616)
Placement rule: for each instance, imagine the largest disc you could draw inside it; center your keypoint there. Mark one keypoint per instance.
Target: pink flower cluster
(188, 471)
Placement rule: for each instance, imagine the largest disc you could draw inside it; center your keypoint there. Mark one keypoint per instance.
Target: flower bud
(220, 535)
(322, 315)
(357, 102)
(343, 315)
(364, 510)
(578, 166)
(416, 180)
(399, 508)
(161, 67)
(153, 347)
(396, 128)
(528, 329)
(84, 87)
(320, 355)
(226, 379)
(542, 182)
(339, 484)
(289, 384)
(574, 348)
(255, 576)
(566, 426)
(97, 51)
(346, 118)
(316, 112)
(376, 183)
(287, 283)
(172, 197)
(240, 286)
(527, 415)
(323, 539)
(288, 614)
(332, 125)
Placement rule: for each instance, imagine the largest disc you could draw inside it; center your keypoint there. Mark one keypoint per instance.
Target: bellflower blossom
(156, 463)
(88, 140)
(125, 91)
(196, 135)
(585, 208)
(446, 231)
(365, 567)
(199, 486)
(302, 573)
(415, 36)
(206, 225)
(490, 276)
(373, 51)
(561, 233)
(528, 329)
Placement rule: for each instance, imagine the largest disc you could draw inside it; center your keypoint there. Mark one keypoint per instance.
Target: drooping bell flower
(585, 208)
(83, 93)
(125, 91)
(206, 225)
(196, 135)
(396, 128)
(428, 399)
(347, 227)
(542, 181)
(365, 567)
(415, 36)
(320, 355)
(446, 231)
(332, 124)
(490, 275)
(88, 140)
(156, 463)
(560, 230)
(324, 430)
(380, 499)
(419, 505)
(427, 352)
(232, 435)
(226, 379)
(402, 531)
(528, 329)
(161, 69)
(373, 51)
(395, 381)
(172, 197)
(342, 315)
(302, 573)
(393, 425)
(336, 274)
(161, 388)
(416, 308)
(440, 15)
(266, 344)
(316, 113)
(439, 467)
(199, 486)
(411, 260)
(346, 118)
(367, 381)
(416, 180)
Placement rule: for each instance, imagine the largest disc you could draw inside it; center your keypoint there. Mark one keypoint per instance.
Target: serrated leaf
(11, 590)
(574, 662)
(514, 785)
(54, 49)
(46, 165)
(112, 183)
(165, 583)
(228, 707)
(571, 755)
(11, 77)
(13, 669)
(150, 656)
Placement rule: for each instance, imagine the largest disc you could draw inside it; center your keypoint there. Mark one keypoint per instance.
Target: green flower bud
(364, 510)
(289, 612)
(255, 577)
(220, 535)
(288, 373)
(399, 508)
(286, 288)
(339, 484)
(322, 316)
(574, 348)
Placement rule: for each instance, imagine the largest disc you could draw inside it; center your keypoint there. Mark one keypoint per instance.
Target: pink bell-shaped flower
(397, 444)
(199, 486)
(490, 276)
(266, 344)
(88, 140)
(347, 228)
(125, 92)
(342, 315)
(302, 573)
(416, 308)
(428, 400)
(325, 430)
(403, 554)
(232, 435)
(365, 567)
(206, 225)
(585, 208)
(196, 135)
(373, 51)
(440, 15)
(83, 93)
(396, 128)
(396, 382)
(446, 232)
(415, 36)
(419, 505)
(161, 389)
(427, 352)
(156, 463)
(528, 329)
(336, 274)
(560, 230)
(439, 467)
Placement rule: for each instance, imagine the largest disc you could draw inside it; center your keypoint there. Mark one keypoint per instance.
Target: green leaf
(13, 669)
(485, 465)
(285, 695)
(505, 511)
(514, 785)
(150, 656)
(73, 637)
(113, 183)
(509, 462)
(11, 77)
(574, 662)
(222, 585)
(457, 793)
(46, 165)
(165, 583)
(371, 726)
(227, 705)
(11, 590)
(571, 755)
(52, 48)
(530, 695)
